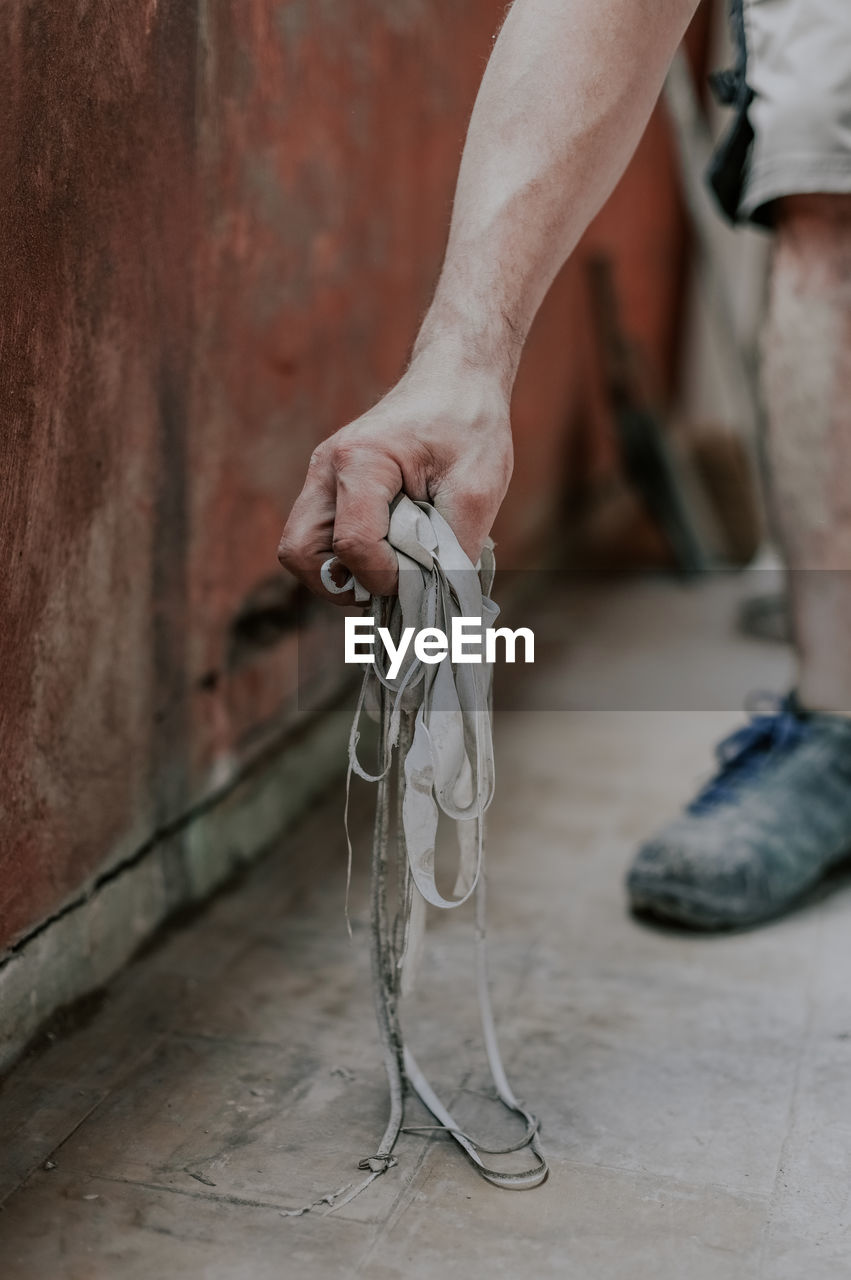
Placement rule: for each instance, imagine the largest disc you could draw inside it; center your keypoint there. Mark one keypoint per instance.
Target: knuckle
(348, 546)
(288, 552)
(319, 456)
(346, 453)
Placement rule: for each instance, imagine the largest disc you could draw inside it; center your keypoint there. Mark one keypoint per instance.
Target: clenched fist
(440, 435)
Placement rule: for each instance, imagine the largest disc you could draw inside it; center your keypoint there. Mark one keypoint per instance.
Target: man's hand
(565, 97)
(441, 435)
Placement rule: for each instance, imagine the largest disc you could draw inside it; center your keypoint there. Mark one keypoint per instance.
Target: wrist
(451, 387)
(473, 344)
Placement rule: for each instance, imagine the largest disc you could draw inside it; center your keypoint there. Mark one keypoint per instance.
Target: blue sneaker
(774, 819)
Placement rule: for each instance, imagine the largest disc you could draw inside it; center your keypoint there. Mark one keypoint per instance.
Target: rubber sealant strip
(435, 744)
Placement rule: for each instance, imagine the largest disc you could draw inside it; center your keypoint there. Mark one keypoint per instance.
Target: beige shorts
(792, 91)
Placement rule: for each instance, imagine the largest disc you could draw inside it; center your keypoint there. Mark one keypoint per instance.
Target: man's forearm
(565, 98)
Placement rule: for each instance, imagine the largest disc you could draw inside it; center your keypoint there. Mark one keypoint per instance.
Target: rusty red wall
(220, 223)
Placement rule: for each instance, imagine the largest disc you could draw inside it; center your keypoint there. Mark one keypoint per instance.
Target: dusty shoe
(773, 820)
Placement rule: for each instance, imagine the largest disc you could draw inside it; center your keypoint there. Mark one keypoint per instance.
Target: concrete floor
(695, 1092)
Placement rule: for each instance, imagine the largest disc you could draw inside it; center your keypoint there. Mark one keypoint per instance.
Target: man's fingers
(343, 511)
(308, 534)
(344, 507)
(366, 484)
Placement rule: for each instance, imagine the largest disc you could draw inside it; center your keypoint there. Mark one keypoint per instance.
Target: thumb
(469, 507)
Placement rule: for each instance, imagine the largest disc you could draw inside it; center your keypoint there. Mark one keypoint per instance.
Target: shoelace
(436, 747)
(777, 729)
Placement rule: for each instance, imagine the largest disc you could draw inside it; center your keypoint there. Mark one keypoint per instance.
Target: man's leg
(807, 393)
(777, 815)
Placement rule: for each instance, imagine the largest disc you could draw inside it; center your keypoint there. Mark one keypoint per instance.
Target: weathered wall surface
(99, 216)
(221, 222)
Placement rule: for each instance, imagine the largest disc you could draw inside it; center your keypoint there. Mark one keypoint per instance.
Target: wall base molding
(83, 946)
